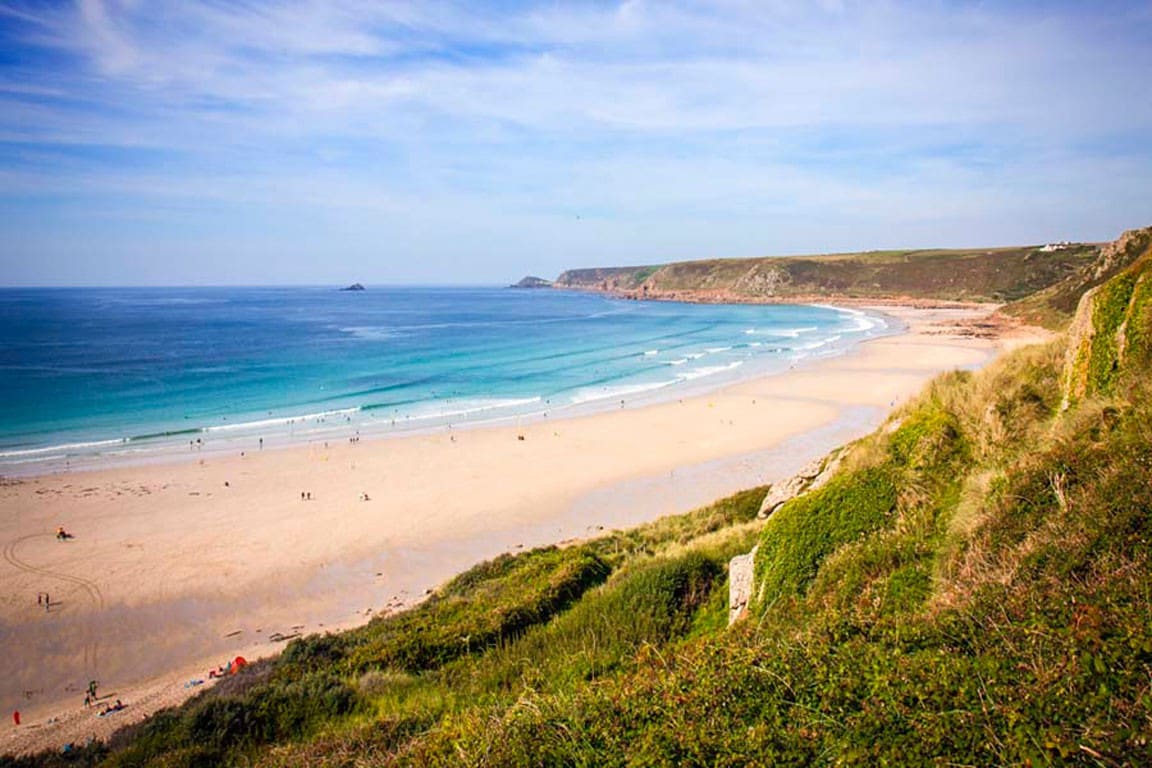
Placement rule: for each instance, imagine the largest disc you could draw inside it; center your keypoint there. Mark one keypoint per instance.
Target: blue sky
(213, 142)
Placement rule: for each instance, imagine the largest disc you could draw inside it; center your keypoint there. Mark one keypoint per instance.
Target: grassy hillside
(1054, 305)
(996, 275)
(973, 587)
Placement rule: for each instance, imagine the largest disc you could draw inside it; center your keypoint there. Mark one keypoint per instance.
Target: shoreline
(156, 444)
(197, 560)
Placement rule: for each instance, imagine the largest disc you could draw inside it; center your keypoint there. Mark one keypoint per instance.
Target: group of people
(43, 599)
(221, 671)
(119, 705)
(91, 698)
(231, 668)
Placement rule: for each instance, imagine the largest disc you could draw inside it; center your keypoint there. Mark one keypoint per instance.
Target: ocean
(90, 376)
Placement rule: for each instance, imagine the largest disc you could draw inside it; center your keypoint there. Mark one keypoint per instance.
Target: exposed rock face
(1080, 335)
(810, 477)
(741, 571)
(1121, 252)
(763, 280)
(1112, 321)
(604, 278)
(532, 282)
(353, 287)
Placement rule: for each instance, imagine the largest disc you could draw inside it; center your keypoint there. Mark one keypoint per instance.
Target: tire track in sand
(92, 647)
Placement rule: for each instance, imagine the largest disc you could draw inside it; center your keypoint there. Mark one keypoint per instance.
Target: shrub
(804, 531)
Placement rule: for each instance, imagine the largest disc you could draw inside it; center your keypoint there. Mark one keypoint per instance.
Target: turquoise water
(93, 375)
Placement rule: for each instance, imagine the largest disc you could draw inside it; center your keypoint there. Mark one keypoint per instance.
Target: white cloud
(755, 115)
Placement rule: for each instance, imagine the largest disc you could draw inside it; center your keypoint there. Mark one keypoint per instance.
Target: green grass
(805, 531)
(486, 606)
(1111, 311)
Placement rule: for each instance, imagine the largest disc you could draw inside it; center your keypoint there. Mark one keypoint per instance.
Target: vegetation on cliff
(993, 275)
(973, 587)
(1053, 306)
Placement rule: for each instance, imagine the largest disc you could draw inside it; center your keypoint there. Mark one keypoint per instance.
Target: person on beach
(119, 705)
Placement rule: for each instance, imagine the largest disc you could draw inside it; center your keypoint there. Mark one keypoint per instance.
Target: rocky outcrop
(1080, 336)
(353, 287)
(532, 282)
(762, 280)
(813, 475)
(1113, 321)
(1121, 252)
(741, 577)
(610, 279)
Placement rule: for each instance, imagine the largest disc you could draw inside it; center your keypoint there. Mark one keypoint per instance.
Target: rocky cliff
(1113, 320)
(992, 275)
(1053, 306)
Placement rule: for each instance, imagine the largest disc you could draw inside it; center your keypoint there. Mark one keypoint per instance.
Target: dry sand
(177, 567)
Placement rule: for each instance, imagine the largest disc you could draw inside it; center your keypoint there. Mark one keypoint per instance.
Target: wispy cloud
(723, 127)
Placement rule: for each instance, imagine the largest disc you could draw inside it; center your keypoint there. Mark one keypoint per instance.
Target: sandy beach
(176, 567)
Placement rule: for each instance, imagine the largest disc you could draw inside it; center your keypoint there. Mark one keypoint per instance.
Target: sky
(213, 142)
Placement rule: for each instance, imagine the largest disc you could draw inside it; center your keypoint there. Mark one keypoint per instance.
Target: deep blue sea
(94, 375)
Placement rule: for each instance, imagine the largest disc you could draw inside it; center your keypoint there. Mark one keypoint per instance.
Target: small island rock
(532, 282)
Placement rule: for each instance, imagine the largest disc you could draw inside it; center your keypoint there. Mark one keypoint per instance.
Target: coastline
(136, 442)
(194, 562)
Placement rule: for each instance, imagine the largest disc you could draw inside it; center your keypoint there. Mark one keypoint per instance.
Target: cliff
(1054, 305)
(986, 275)
(1112, 328)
